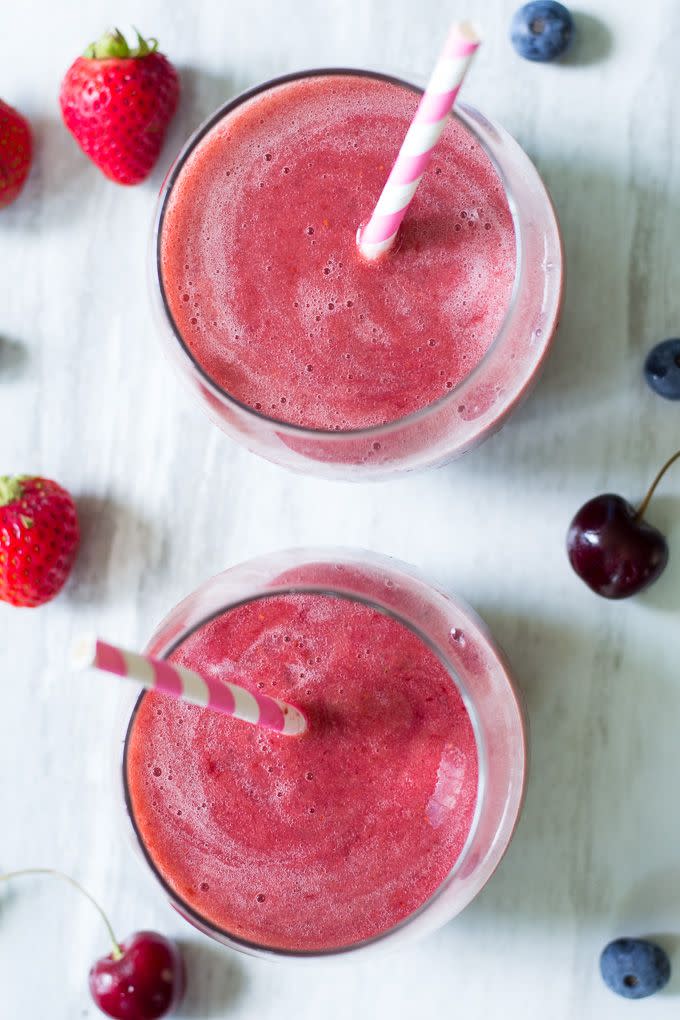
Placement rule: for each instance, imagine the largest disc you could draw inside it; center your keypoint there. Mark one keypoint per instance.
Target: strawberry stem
(11, 488)
(144, 46)
(114, 46)
(117, 952)
(642, 509)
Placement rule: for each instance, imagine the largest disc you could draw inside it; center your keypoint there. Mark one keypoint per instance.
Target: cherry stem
(642, 509)
(117, 951)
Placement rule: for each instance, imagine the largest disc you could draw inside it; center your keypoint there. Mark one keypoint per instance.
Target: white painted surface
(166, 500)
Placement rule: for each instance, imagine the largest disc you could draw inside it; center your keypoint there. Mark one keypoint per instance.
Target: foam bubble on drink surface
(262, 275)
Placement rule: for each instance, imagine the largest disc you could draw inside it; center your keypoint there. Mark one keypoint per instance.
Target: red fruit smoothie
(312, 842)
(261, 273)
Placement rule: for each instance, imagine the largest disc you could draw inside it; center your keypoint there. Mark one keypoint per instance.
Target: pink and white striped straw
(378, 235)
(179, 682)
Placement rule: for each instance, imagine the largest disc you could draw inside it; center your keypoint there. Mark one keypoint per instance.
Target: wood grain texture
(167, 500)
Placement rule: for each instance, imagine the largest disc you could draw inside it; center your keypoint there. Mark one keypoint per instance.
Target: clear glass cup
(475, 408)
(474, 663)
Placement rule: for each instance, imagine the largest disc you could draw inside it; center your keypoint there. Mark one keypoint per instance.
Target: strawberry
(16, 152)
(117, 103)
(39, 538)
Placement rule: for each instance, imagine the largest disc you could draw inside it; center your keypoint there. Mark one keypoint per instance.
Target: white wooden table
(166, 500)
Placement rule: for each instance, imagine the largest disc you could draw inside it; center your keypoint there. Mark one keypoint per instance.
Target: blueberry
(542, 30)
(634, 968)
(662, 369)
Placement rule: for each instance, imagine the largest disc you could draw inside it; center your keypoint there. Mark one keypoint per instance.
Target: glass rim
(465, 114)
(256, 948)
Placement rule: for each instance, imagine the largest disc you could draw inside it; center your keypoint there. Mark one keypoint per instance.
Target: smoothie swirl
(261, 273)
(315, 842)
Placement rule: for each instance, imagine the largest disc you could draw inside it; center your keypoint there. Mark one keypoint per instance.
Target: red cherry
(616, 554)
(143, 981)
(142, 978)
(613, 549)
